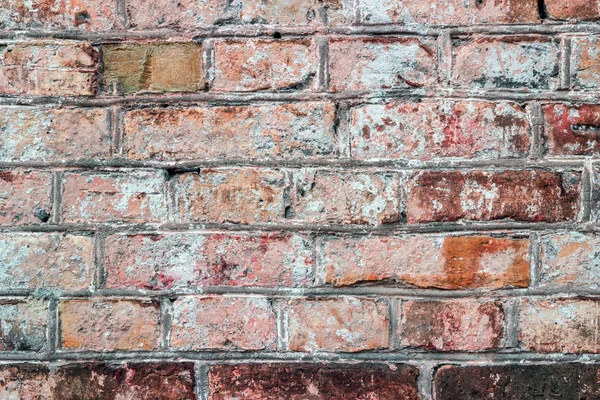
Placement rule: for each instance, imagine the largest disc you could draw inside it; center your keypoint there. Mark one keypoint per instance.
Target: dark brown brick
(314, 382)
(566, 382)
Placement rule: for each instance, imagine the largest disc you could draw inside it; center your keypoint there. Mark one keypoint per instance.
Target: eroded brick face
(453, 325)
(300, 381)
(450, 262)
(299, 199)
(34, 69)
(531, 196)
(463, 130)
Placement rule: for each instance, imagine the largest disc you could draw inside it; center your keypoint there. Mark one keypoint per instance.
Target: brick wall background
(299, 199)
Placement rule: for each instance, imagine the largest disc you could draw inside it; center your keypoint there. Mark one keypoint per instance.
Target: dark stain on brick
(530, 196)
(313, 382)
(569, 382)
(572, 130)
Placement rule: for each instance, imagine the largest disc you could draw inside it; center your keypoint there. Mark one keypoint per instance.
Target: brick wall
(299, 199)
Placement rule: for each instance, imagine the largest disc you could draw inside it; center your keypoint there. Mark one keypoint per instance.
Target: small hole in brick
(42, 214)
(82, 16)
(479, 2)
(277, 35)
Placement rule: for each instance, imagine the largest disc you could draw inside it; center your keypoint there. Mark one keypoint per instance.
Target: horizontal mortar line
(379, 230)
(411, 357)
(401, 165)
(367, 291)
(232, 98)
(233, 31)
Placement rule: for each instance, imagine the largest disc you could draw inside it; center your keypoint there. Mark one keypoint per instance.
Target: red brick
(94, 15)
(46, 260)
(572, 130)
(239, 323)
(446, 262)
(108, 325)
(23, 325)
(39, 69)
(289, 131)
(257, 64)
(561, 326)
(100, 381)
(156, 67)
(580, 10)
(25, 197)
(173, 261)
(381, 63)
(530, 196)
(313, 381)
(25, 381)
(338, 325)
(232, 195)
(585, 63)
(57, 134)
(521, 62)
(510, 382)
(570, 260)
(449, 12)
(432, 130)
(346, 197)
(452, 325)
(131, 196)
(188, 15)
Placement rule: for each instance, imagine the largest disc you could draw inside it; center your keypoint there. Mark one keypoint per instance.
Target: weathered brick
(557, 381)
(100, 381)
(452, 325)
(57, 134)
(25, 381)
(178, 261)
(346, 197)
(39, 69)
(572, 130)
(580, 10)
(232, 195)
(239, 323)
(340, 324)
(25, 197)
(585, 63)
(132, 196)
(106, 325)
(184, 14)
(46, 260)
(257, 64)
(94, 15)
(381, 63)
(432, 130)
(570, 260)
(23, 325)
(449, 12)
(446, 262)
(521, 62)
(289, 131)
(280, 12)
(563, 326)
(159, 67)
(188, 15)
(530, 196)
(313, 381)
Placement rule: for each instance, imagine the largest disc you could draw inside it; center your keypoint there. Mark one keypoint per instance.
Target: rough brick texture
(450, 262)
(299, 199)
(301, 381)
